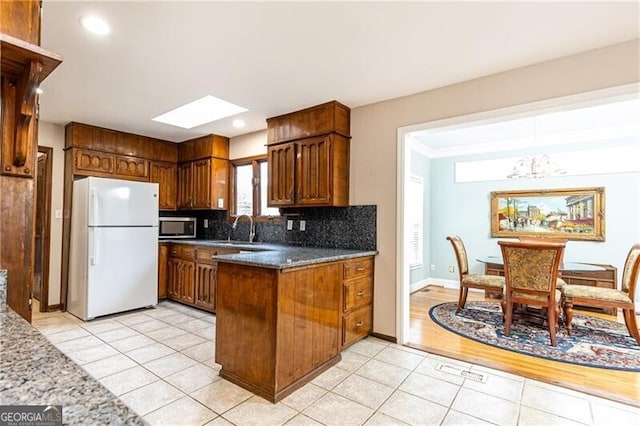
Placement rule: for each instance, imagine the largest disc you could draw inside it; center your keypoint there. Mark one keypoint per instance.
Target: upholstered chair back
(630, 272)
(461, 255)
(531, 268)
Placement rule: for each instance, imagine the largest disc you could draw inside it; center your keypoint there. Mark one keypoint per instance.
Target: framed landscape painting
(574, 214)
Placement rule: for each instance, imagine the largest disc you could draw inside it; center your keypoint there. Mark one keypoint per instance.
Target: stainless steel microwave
(177, 227)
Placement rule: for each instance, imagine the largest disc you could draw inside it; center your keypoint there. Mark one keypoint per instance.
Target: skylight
(199, 112)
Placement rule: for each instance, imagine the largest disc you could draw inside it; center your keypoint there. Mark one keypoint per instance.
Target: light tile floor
(160, 362)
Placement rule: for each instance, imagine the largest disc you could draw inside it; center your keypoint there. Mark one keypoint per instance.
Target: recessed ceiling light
(95, 24)
(239, 123)
(199, 112)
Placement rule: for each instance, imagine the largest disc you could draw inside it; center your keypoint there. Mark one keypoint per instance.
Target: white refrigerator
(113, 259)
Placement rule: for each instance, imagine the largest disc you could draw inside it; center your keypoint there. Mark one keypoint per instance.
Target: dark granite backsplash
(351, 227)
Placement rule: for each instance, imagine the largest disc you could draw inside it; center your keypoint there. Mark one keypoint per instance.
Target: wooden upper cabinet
(203, 184)
(281, 160)
(203, 173)
(309, 170)
(330, 117)
(165, 175)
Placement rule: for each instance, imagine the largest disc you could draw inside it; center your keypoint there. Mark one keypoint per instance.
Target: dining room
(501, 179)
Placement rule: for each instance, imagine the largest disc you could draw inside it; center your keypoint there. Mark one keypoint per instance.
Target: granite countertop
(277, 256)
(34, 372)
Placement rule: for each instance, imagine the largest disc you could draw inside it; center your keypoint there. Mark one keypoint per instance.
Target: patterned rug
(594, 342)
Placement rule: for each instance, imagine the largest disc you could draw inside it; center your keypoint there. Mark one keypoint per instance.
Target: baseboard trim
(385, 337)
(53, 308)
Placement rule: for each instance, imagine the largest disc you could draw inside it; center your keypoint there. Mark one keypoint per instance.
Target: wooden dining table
(494, 266)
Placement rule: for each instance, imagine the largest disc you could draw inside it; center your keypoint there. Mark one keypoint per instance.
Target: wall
(51, 135)
(622, 209)
(248, 145)
(374, 130)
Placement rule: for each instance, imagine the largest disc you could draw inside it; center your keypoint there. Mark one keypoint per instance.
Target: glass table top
(566, 266)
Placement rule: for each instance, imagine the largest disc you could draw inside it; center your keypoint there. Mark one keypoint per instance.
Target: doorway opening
(461, 164)
(42, 228)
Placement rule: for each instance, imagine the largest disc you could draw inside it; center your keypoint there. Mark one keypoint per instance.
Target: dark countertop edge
(314, 255)
(227, 258)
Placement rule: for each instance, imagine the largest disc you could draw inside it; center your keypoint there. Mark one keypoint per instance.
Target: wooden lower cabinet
(181, 272)
(163, 265)
(276, 329)
(357, 300)
(192, 274)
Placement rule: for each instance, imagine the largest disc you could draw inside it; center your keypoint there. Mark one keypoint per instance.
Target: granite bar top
(276, 256)
(3, 290)
(34, 372)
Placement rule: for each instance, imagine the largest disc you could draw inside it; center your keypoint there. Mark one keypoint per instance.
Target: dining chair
(489, 283)
(602, 297)
(560, 282)
(531, 273)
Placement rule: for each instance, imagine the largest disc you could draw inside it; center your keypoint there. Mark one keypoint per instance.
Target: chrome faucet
(252, 229)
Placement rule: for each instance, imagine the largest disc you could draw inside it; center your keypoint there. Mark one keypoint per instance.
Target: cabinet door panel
(205, 294)
(187, 287)
(165, 175)
(313, 171)
(185, 177)
(201, 184)
(281, 161)
(163, 262)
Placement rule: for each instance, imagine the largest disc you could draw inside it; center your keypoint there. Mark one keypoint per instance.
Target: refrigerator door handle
(93, 254)
(94, 207)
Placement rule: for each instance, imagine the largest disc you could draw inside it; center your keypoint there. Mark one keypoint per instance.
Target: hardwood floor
(621, 386)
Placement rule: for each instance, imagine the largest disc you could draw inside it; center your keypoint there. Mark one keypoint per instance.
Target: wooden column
(24, 66)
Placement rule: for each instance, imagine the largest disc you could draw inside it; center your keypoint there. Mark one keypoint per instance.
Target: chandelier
(535, 166)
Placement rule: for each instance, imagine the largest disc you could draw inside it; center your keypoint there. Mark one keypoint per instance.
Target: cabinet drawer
(361, 267)
(132, 168)
(356, 325)
(182, 251)
(87, 162)
(357, 293)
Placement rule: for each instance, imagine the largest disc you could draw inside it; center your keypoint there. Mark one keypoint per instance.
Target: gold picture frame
(571, 213)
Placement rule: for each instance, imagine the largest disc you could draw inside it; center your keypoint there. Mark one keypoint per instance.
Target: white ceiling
(274, 58)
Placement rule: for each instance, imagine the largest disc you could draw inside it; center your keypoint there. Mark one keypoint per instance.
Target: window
(416, 219)
(249, 188)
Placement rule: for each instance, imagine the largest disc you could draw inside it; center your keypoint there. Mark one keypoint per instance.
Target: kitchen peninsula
(283, 314)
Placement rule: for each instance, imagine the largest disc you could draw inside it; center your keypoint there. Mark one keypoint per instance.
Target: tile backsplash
(351, 227)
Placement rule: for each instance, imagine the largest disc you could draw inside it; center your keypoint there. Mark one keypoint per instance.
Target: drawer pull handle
(360, 293)
(360, 269)
(359, 324)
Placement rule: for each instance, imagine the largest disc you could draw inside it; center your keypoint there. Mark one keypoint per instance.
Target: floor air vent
(459, 371)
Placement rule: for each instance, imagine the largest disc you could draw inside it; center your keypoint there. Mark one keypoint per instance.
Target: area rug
(594, 342)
